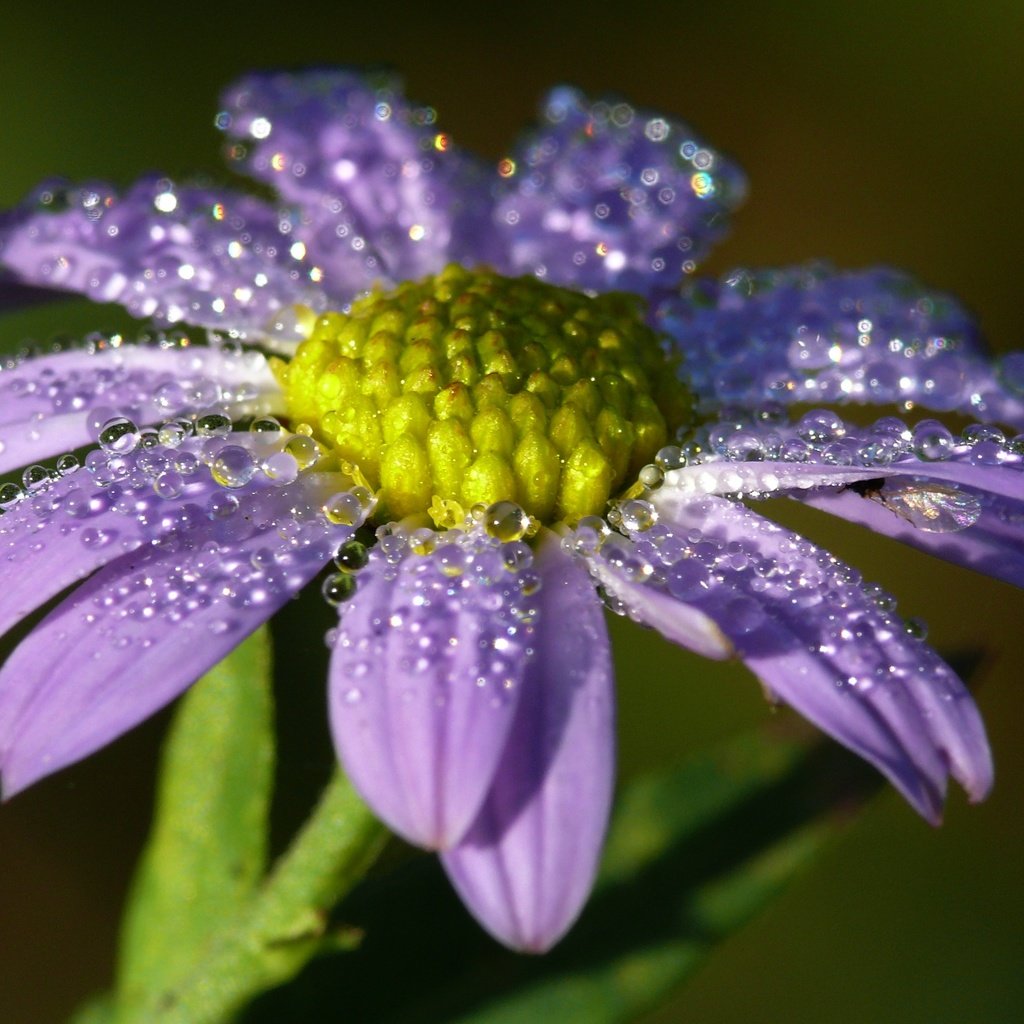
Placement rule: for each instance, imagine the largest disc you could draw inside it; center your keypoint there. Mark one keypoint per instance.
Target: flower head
(484, 400)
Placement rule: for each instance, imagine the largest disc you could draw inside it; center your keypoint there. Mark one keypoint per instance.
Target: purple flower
(484, 461)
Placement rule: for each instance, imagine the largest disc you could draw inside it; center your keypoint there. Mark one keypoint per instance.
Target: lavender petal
(202, 256)
(815, 335)
(382, 193)
(52, 404)
(425, 677)
(821, 641)
(992, 545)
(64, 531)
(606, 196)
(140, 631)
(527, 865)
(967, 507)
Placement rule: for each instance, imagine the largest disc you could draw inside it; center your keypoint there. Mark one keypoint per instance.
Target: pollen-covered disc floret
(469, 388)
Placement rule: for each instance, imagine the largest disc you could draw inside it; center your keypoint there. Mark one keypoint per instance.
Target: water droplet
(67, 463)
(651, 476)
(506, 521)
(93, 538)
(338, 587)
(281, 468)
(119, 435)
(233, 466)
(303, 449)
(221, 505)
(932, 440)
(9, 494)
(35, 477)
(351, 556)
(935, 508)
(172, 434)
(213, 424)
(266, 429)
(344, 509)
(637, 515)
(169, 484)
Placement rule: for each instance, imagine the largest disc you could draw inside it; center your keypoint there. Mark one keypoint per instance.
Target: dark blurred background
(872, 132)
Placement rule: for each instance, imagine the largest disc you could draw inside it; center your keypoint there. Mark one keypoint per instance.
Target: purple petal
(607, 196)
(143, 628)
(527, 865)
(381, 191)
(818, 639)
(815, 335)
(967, 507)
(172, 253)
(55, 403)
(680, 623)
(425, 677)
(993, 544)
(64, 532)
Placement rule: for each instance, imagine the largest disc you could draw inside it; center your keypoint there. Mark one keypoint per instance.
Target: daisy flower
(492, 402)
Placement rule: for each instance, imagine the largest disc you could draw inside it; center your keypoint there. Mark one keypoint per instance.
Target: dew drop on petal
(233, 466)
(506, 521)
(281, 468)
(266, 430)
(119, 435)
(34, 477)
(67, 463)
(172, 434)
(303, 449)
(9, 494)
(213, 424)
(169, 484)
(344, 509)
(221, 506)
(935, 508)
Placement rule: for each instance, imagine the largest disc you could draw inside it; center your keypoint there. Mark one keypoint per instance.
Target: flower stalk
(285, 923)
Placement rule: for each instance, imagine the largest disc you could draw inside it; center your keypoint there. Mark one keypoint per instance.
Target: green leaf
(207, 850)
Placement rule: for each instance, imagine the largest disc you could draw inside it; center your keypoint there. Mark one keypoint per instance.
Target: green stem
(283, 927)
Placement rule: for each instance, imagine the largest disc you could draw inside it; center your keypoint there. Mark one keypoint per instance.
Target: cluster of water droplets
(606, 195)
(456, 608)
(813, 335)
(760, 454)
(382, 194)
(219, 519)
(160, 374)
(173, 252)
(770, 591)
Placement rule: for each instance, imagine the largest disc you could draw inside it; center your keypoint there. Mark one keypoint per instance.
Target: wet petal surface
(814, 335)
(603, 195)
(52, 404)
(145, 627)
(960, 497)
(173, 253)
(381, 191)
(526, 866)
(819, 639)
(426, 672)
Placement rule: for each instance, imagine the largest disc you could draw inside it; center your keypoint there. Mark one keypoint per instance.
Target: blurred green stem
(284, 925)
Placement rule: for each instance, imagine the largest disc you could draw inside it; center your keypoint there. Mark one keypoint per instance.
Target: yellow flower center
(470, 388)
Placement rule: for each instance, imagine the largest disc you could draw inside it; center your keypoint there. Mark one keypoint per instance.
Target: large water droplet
(935, 508)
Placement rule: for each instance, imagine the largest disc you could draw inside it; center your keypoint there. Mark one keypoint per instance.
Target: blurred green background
(872, 132)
